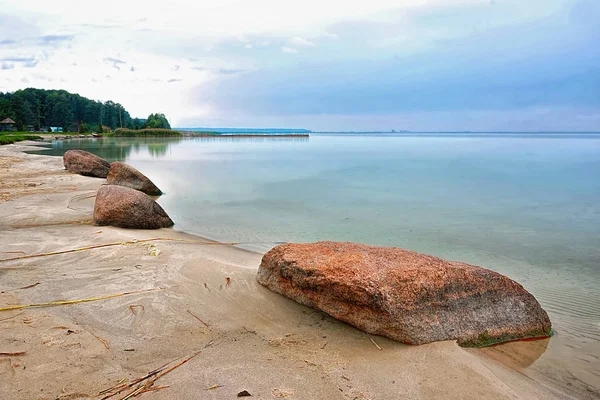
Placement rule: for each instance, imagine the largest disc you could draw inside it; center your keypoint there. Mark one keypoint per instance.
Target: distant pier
(244, 135)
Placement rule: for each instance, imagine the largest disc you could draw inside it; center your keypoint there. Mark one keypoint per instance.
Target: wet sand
(250, 338)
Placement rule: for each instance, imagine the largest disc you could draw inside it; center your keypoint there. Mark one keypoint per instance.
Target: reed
(148, 132)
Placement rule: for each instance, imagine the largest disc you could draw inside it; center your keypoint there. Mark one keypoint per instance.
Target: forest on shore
(38, 109)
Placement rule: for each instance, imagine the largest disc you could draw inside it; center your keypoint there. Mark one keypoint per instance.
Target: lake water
(526, 205)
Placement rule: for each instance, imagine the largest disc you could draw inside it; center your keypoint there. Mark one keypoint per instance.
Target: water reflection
(113, 149)
(260, 139)
(158, 150)
(121, 149)
(517, 354)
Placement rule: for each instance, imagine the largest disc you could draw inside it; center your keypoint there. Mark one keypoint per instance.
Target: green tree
(99, 129)
(6, 110)
(83, 128)
(31, 106)
(157, 121)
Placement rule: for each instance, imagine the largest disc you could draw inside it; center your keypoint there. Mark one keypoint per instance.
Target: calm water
(525, 205)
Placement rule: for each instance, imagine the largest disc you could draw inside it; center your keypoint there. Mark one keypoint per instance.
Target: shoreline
(251, 339)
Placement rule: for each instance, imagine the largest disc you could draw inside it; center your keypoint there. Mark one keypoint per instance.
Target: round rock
(128, 208)
(84, 163)
(122, 174)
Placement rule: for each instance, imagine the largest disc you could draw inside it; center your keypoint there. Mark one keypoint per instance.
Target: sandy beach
(207, 300)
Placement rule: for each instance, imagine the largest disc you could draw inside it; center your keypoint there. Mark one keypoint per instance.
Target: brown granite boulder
(406, 296)
(122, 174)
(84, 163)
(128, 208)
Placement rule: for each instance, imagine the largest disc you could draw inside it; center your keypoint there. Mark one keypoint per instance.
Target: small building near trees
(7, 124)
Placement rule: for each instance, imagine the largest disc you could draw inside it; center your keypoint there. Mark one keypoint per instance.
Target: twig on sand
(103, 341)
(205, 324)
(121, 385)
(21, 288)
(142, 386)
(18, 353)
(98, 246)
(29, 286)
(66, 302)
(213, 387)
(376, 345)
(151, 389)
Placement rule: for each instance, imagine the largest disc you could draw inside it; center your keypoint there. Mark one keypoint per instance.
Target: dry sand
(250, 338)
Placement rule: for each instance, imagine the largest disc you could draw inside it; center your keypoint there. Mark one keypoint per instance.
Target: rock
(125, 175)
(244, 393)
(406, 296)
(128, 208)
(84, 163)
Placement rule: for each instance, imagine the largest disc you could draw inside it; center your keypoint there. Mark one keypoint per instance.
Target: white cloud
(154, 86)
(301, 42)
(286, 49)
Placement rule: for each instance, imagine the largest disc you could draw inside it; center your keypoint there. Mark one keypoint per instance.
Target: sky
(449, 65)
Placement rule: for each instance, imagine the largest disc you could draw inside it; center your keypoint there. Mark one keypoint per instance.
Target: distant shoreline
(242, 135)
(245, 130)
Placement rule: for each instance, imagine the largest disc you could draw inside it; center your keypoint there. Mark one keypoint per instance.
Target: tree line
(34, 109)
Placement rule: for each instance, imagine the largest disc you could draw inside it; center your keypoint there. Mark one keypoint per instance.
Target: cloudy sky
(323, 65)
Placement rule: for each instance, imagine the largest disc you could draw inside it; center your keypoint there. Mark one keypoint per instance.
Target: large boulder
(125, 175)
(128, 208)
(406, 296)
(84, 163)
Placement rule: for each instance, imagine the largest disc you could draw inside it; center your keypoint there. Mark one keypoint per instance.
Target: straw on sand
(142, 386)
(66, 302)
(98, 246)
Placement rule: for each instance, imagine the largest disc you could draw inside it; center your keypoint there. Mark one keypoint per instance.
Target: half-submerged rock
(125, 175)
(128, 208)
(406, 296)
(84, 163)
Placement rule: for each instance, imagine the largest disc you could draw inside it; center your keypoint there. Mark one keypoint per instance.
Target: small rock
(128, 208)
(84, 163)
(125, 175)
(244, 393)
